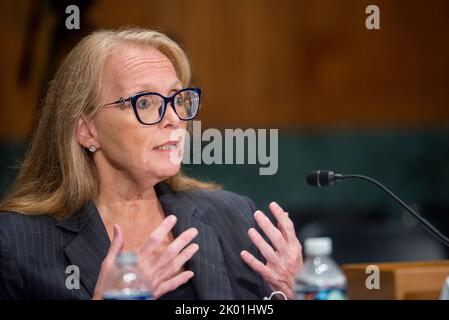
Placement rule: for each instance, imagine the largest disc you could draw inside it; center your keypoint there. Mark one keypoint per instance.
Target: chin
(167, 171)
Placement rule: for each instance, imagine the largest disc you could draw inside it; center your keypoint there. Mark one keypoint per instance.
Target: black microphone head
(321, 178)
(312, 178)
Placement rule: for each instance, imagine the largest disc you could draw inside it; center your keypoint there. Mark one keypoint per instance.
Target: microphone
(324, 178)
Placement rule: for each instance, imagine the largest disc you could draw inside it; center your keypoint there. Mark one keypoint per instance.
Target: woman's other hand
(284, 259)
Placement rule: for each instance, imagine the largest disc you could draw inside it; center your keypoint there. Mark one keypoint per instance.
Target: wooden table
(411, 280)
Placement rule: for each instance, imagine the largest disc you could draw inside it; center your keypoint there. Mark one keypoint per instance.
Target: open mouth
(170, 145)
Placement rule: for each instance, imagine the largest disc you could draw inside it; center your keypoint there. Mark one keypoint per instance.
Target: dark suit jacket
(36, 250)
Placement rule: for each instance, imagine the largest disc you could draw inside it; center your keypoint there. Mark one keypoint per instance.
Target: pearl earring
(92, 148)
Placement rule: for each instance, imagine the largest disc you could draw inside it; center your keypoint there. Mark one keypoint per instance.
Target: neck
(136, 214)
(118, 208)
(124, 201)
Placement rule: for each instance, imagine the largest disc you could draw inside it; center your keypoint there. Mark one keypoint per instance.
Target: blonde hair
(58, 176)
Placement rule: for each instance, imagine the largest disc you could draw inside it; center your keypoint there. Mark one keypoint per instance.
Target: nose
(170, 118)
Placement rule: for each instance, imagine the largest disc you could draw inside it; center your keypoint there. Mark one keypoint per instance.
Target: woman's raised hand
(163, 272)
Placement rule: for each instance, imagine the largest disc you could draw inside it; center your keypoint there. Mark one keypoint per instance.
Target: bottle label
(122, 296)
(315, 293)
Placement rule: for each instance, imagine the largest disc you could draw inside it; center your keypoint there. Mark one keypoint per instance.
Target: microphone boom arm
(323, 178)
(434, 231)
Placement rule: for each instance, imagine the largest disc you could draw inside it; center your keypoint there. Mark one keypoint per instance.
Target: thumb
(117, 243)
(115, 248)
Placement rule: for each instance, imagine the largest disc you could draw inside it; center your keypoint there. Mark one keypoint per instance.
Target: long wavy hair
(58, 175)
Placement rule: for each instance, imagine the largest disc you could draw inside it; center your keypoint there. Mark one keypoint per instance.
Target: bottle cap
(124, 258)
(318, 246)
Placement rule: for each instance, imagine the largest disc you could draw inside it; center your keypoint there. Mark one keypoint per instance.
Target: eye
(179, 101)
(144, 103)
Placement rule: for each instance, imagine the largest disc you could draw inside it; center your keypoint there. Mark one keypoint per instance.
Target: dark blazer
(36, 250)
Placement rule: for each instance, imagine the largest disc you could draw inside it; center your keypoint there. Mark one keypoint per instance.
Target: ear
(85, 132)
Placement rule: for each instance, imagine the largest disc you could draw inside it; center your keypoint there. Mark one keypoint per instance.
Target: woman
(99, 179)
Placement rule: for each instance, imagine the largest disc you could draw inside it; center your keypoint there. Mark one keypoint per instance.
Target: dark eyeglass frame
(167, 100)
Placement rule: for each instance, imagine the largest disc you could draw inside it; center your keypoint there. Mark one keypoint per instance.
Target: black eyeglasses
(150, 107)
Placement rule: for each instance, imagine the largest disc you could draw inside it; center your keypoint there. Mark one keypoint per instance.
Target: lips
(169, 145)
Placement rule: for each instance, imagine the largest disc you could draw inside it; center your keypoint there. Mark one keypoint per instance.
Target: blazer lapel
(90, 245)
(211, 279)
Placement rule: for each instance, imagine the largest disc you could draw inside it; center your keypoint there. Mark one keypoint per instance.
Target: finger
(117, 244)
(159, 234)
(285, 224)
(172, 284)
(176, 246)
(273, 233)
(177, 263)
(257, 266)
(115, 248)
(263, 246)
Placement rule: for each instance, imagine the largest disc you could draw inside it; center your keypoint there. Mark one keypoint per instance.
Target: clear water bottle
(320, 278)
(125, 281)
